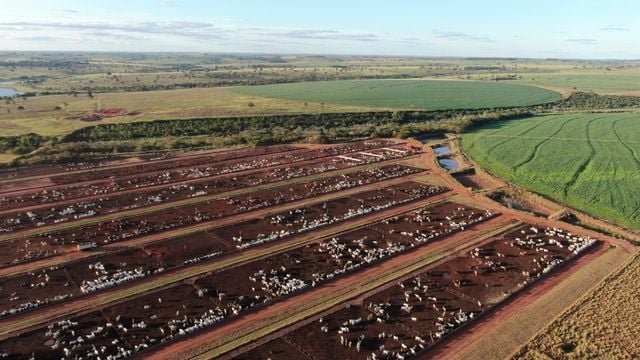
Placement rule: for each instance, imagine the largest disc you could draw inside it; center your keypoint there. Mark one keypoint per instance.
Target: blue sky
(542, 28)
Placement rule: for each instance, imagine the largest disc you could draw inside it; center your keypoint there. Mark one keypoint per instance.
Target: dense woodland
(582, 100)
(267, 126)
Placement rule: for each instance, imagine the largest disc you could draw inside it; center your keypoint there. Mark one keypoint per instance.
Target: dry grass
(5, 158)
(602, 326)
(39, 114)
(208, 76)
(504, 340)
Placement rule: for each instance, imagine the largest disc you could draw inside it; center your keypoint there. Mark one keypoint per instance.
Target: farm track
(324, 297)
(185, 201)
(137, 162)
(116, 167)
(466, 338)
(581, 168)
(119, 294)
(618, 140)
(179, 182)
(560, 139)
(603, 185)
(635, 157)
(520, 133)
(267, 322)
(536, 148)
(205, 226)
(623, 143)
(519, 305)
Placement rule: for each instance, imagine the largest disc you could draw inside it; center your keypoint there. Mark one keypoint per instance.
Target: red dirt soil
(463, 337)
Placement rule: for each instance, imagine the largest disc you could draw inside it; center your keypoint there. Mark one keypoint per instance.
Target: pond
(8, 92)
(448, 163)
(5, 91)
(442, 150)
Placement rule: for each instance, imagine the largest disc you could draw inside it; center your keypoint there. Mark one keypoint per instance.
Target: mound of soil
(104, 113)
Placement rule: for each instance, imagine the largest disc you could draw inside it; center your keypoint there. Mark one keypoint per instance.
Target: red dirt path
(453, 241)
(471, 333)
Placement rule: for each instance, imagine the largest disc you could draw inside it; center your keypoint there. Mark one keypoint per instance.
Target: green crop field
(418, 94)
(588, 161)
(614, 81)
(598, 80)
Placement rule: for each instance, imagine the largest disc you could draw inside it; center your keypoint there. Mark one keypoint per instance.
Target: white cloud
(615, 27)
(190, 30)
(455, 35)
(82, 32)
(583, 41)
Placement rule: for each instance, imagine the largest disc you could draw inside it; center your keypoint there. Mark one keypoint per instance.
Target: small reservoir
(448, 163)
(442, 150)
(7, 91)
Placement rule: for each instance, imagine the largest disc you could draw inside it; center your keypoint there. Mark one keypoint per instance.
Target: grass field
(40, 115)
(613, 78)
(588, 161)
(418, 94)
(107, 72)
(602, 326)
(601, 81)
(57, 114)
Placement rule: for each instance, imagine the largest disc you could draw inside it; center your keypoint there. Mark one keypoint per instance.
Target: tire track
(583, 166)
(533, 126)
(595, 141)
(623, 143)
(602, 193)
(635, 156)
(536, 149)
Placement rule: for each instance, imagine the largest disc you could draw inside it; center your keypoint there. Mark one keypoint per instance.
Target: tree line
(265, 124)
(108, 140)
(23, 144)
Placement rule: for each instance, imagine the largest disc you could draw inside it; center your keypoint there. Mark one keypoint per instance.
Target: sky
(483, 28)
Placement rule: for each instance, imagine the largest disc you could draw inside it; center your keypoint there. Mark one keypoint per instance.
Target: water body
(448, 163)
(442, 150)
(7, 91)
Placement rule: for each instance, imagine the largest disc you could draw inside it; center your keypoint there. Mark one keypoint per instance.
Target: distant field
(41, 116)
(597, 80)
(600, 80)
(588, 161)
(418, 94)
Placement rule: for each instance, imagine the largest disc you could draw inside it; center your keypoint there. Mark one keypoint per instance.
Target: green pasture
(407, 94)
